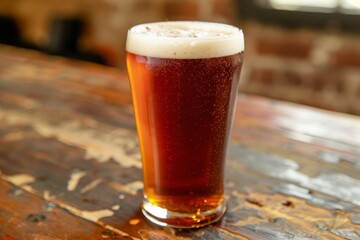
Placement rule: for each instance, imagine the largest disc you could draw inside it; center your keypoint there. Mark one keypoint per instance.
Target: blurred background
(303, 51)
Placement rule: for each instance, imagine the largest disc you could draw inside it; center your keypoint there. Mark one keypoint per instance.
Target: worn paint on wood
(68, 146)
(27, 216)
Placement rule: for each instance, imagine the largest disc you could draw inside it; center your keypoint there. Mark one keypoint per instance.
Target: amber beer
(184, 78)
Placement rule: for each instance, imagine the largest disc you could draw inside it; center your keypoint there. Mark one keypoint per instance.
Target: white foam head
(184, 40)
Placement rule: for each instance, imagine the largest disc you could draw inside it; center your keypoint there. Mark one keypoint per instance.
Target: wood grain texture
(24, 215)
(69, 152)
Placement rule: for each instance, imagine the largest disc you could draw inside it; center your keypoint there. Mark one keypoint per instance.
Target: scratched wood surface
(70, 166)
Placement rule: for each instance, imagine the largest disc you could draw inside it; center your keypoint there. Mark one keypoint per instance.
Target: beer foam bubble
(184, 40)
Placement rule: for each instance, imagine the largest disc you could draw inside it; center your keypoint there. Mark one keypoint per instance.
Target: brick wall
(311, 67)
(108, 20)
(316, 68)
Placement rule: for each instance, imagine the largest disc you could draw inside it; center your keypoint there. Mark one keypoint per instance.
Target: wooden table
(70, 166)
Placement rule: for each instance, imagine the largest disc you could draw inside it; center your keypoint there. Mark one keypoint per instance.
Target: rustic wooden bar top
(70, 166)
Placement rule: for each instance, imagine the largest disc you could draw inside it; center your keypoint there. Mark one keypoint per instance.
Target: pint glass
(184, 78)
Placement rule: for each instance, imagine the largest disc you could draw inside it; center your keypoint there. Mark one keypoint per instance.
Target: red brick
(262, 76)
(269, 76)
(184, 10)
(292, 78)
(285, 47)
(347, 57)
(225, 8)
(326, 80)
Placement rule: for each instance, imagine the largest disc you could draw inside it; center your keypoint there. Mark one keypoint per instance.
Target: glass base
(164, 217)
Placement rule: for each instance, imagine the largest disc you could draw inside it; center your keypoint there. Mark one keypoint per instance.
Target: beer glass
(184, 78)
